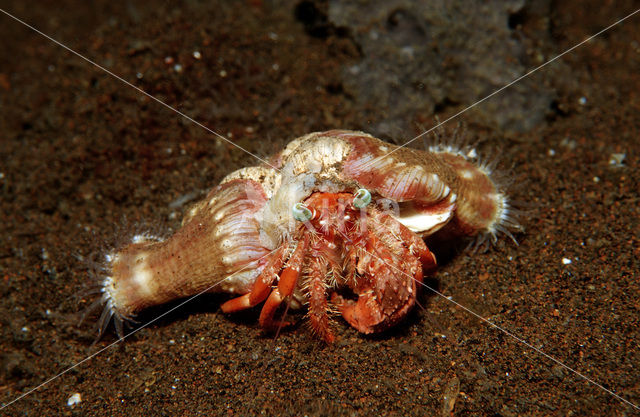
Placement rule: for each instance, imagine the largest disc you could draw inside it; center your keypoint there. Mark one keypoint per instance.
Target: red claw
(388, 276)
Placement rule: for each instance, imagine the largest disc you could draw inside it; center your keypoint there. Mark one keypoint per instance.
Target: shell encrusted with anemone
(334, 222)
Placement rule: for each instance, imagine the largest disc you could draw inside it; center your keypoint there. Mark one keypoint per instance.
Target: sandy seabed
(85, 161)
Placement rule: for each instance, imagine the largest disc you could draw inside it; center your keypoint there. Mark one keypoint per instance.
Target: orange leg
(261, 287)
(286, 285)
(318, 305)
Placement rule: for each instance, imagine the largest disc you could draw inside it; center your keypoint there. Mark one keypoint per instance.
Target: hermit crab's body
(335, 222)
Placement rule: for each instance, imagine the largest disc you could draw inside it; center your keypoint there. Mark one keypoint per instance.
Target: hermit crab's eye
(301, 212)
(361, 198)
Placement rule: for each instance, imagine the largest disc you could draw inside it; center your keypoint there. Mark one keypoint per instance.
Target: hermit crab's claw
(387, 297)
(388, 275)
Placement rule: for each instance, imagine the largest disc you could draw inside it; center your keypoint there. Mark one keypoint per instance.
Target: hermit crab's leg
(318, 304)
(262, 285)
(286, 285)
(350, 260)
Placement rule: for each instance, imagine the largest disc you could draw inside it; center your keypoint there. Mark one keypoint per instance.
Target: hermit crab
(334, 222)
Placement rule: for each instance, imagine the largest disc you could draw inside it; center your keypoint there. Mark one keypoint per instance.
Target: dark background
(86, 161)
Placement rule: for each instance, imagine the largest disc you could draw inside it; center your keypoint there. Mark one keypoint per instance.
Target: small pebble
(617, 159)
(568, 143)
(197, 54)
(74, 399)
(566, 261)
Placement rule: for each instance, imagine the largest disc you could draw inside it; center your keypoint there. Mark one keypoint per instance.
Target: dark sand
(80, 152)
